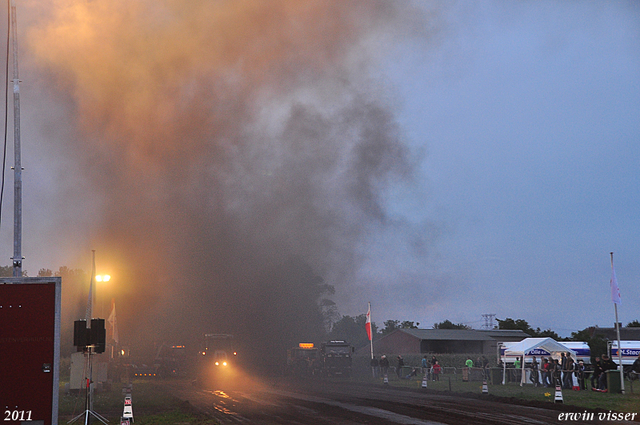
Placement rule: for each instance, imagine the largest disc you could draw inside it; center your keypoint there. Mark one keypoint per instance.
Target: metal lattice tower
(488, 321)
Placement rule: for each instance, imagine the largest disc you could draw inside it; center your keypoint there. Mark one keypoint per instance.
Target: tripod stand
(88, 402)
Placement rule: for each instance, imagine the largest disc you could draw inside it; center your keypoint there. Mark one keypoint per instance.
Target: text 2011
(17, 415)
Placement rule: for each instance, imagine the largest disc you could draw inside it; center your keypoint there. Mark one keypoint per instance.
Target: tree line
(352, 329)
(349, 328)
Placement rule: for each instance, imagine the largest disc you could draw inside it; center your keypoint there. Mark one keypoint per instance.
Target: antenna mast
(17, 168)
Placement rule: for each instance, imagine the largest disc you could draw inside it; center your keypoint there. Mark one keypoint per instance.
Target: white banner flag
(615, 290)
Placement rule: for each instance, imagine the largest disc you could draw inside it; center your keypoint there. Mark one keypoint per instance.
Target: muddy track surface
(281, 401)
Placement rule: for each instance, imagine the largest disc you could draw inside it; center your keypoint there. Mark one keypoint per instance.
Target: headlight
(224, 363)
(217, 364)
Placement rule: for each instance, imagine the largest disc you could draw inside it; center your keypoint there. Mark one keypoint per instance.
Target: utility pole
(17, 168)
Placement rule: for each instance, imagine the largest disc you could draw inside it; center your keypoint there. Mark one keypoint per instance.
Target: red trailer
(29, 349)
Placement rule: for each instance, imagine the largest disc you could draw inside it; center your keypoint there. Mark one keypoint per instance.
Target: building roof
(464, 334)
(626, 333)
(506, 333)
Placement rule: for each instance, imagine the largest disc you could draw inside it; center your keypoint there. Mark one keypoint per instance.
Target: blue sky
(530, 116)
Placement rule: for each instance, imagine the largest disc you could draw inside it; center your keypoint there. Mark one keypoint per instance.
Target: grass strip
(151, 405)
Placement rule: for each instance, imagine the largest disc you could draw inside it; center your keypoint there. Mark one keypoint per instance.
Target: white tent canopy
(530, 347)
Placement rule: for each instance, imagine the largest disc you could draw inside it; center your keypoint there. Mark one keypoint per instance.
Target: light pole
(102, 278)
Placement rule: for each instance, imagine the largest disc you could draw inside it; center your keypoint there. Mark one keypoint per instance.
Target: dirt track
(281, 401)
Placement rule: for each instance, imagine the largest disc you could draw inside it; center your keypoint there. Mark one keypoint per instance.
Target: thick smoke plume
(239, 149)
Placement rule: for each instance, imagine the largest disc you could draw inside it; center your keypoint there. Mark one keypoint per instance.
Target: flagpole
(112, 321)
(89, 311)
(615, 306)
(371, 340)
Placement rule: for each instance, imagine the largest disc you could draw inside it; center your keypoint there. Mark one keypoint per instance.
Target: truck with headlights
(336, 358)
(303, 360)
(216, 359)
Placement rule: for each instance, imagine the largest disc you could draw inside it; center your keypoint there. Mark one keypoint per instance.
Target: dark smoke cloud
(240, 150)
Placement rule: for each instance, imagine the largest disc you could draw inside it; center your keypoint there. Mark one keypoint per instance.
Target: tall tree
(548, 333)
(45, 273)
(406, 324)
(390, 326)
(6, 271)
(523, 325)
(597, 343)
(447, 324)
(518, 324)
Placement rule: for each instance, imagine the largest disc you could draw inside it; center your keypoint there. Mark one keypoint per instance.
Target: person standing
(563, 368)
(607, 364)
(580, 371)
(556, 373)
(431, 363)
(635, 367)
(384, 365)
(546, 381)
(436, 371)
(534, 372)
(466, 372)
(597, 371)
(634, 372)
(567, 370)
(485, 362)
(400, 365)
(469, 363)
(425, 367)
(517, 364)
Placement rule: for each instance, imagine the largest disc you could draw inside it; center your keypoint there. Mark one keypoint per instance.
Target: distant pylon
(488, 321)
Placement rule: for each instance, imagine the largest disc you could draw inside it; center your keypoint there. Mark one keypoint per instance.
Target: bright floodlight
(103, 278)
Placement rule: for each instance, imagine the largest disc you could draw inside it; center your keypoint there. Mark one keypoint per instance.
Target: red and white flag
(615, 290)
(367, 324)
